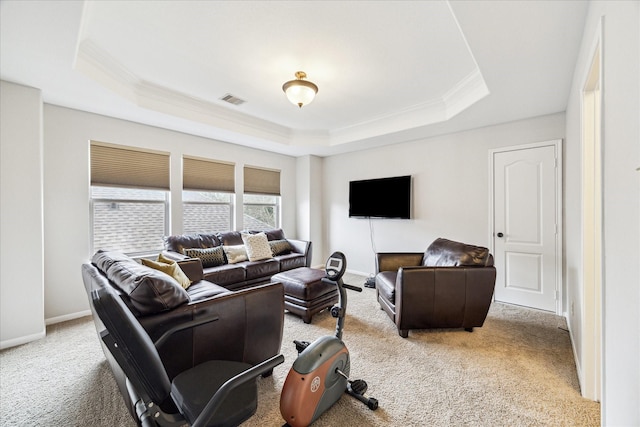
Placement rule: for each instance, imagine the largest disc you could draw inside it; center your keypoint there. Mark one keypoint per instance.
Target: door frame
(557, 144)
(590, 366)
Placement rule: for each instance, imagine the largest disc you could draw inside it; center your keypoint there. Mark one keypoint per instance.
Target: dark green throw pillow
(280, 247)
(210, 257)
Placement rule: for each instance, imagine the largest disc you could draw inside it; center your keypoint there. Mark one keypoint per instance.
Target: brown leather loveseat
(448, 286)
(248, 327)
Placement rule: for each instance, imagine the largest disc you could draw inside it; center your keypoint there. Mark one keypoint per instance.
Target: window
(261, 202)
(261, 212)
(206, 211)
(207, 200)
(132, 221)
(129, 199)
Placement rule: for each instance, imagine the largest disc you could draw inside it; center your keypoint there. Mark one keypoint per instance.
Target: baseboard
(359, 273)
(66, 317)
(22, 340)
(575, 352)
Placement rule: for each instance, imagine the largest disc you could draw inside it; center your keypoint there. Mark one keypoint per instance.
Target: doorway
(526, 191)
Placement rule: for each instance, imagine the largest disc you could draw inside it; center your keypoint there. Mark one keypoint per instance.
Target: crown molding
(97, 64)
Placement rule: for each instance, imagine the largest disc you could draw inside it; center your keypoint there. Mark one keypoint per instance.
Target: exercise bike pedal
(358, 386)
(301, 345)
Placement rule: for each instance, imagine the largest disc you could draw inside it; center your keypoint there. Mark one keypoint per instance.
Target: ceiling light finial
(300, 92)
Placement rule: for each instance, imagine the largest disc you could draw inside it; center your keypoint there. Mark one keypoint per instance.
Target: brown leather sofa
(248, 328)
(295, 253)
(450, 285)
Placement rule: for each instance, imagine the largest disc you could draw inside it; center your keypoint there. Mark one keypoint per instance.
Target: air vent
(233, 99)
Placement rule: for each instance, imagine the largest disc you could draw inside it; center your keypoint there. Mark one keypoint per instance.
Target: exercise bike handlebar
(351, 287)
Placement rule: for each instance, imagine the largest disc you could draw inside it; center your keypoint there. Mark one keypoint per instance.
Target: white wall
(309, 201)
(621, 192)
(450, 189)
(66, 190)
(21, 246)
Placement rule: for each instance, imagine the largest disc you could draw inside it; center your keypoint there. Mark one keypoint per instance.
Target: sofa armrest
(176, 256)
(192, 267)
(303, 247)
(392, 261)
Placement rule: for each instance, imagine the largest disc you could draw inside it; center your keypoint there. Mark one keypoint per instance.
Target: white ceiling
(387, 71)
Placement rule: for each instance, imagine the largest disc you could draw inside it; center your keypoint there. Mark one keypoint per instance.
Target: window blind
(122, 166)
(208, 175)
(261, 181)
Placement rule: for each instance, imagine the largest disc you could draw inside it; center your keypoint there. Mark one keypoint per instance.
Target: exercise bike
(320, 374)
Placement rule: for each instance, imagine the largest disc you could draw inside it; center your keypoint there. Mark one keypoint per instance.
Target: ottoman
(304, 292)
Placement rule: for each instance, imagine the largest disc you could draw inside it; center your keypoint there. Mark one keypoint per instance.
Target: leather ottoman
(304, 292)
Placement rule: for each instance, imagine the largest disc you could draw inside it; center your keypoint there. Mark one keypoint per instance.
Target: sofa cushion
(386, 285)
(263, 268)
(210, 257)
(203, 289)
(257, 246)
(180, 242)
(235, 254)
(447, 253)
(230, 238)
(171, 268)
(209, 240)
(291, 261)
(150, 291)
(225, 275)
(275, 234)
(280, 247)
(105, 259)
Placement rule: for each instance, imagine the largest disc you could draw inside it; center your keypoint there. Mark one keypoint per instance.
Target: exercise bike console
(336, 266)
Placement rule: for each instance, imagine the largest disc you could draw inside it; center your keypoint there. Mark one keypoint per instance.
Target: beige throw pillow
(172, 269)
(257, 246)
(235, 254)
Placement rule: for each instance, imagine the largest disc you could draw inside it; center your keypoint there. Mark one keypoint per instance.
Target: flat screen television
(381, 198)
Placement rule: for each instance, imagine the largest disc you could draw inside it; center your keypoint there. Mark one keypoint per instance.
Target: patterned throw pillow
(280, 247)
(235, 253)
(172, 269)
(210, 257)
(257, 246)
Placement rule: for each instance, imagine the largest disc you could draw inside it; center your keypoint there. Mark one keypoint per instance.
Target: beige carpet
(517, 370)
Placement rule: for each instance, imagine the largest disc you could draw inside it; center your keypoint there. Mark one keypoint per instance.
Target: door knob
(500, 235)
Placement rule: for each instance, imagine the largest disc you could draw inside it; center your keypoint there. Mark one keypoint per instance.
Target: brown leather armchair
(450, 285)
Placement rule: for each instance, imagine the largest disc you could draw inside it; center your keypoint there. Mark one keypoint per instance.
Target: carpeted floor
(517, 370)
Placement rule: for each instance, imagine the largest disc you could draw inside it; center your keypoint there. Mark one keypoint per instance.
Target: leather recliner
(450, 285)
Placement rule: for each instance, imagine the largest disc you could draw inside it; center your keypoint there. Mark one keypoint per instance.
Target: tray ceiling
(387, 71)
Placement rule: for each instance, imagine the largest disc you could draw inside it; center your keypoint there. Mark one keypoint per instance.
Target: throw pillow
(172, 270)
(235, 253)
(280, 247)
(210, 257)
(257, 246)
(165, 259)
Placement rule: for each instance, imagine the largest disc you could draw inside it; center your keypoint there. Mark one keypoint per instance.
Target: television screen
(381, 198)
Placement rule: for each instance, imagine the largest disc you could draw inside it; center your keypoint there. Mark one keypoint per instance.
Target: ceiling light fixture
(300, 92)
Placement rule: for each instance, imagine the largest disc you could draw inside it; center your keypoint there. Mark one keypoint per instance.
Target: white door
(525, 227)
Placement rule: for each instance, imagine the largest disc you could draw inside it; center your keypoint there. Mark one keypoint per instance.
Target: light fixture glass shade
(300, 92)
